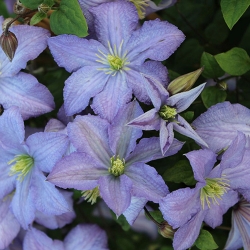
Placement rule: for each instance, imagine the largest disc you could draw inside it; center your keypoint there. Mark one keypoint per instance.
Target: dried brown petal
(9, 43)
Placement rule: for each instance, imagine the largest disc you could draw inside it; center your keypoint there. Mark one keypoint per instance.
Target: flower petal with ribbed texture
(116, 192)
(23, 90)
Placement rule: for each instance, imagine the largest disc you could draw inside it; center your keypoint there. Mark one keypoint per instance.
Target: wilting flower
(239, 235)
(110, 69)
(19, 88)
(212, 196)
(23, 164)
(165, 114)
(110, 163)
(81, 237)
(218, 126)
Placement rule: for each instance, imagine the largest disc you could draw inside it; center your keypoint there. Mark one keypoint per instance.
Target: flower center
(214, 190)
(167, 113)
(117, 166)
(113, 62)
(91, 195)
(22, 165)
(140, 6)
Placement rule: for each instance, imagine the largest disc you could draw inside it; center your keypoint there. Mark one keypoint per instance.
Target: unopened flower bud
(223, 85)
(184, 82)
(166, 230)
(19, 8)
(9, 43)
(44, 8)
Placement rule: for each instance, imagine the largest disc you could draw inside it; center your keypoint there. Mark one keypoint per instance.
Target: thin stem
(12, 21)
(151, 217)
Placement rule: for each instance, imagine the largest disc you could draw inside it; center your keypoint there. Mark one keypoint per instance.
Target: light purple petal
(57, 221)
(7, 182)
(166, 136)
(135, 81)
(147, 121)
(11, 129)
(186, 235)
(214, 214)
(156, 40)
(235, 152)
(218, 126)
(36, 239)
(76, 171)
(116, 192)
(47, 148)
(89, 134)
(46, 197)
(73, 53)
(234, 240)
(83, 84)
(123, 138)
(202, 161)
(54, 125)
(183, 127)
(114, 22)
(162, 5)
(113, 97)
(9, 226)
(87, 237)
(133, 211)
(24, 91)
(180, 206)
(29, 47)
(156, 91)
(147, 183)
(147, 150)
(22, 203)
(183, 100)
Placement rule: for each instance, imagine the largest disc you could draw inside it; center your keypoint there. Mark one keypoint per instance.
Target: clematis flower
(212, 196)
(109, 70)
(23, 164)
(9, 5)
(19, 88)
(165, 114)
(81, 237)
(109, 163)
(218, 126)
(240, 230)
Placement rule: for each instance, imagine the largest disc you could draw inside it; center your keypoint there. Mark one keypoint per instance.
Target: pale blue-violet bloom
(23, 164)
(109, 163)
(19, 88)
(109, 70)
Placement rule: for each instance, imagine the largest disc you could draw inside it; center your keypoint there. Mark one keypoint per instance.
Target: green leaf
(157, 215)
(232, 10)
(211, 68)
(69, 19)
(212, 95)
(32, 4)
(180, 172)
(235, 61)
(121, 220)
(188, 116)
(39, 16)
(205, 241)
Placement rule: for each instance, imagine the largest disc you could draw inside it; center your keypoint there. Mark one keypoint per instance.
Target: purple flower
(19, 88)
(9, 5)
(22, 165)
(110, 163)
(212, 196)
(81, 237)
(239, 235)
(218, 126)
(165, 114)
(110, 69)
